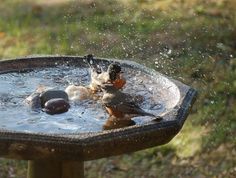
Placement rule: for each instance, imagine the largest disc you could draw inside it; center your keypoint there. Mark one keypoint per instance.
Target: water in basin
(160, 96)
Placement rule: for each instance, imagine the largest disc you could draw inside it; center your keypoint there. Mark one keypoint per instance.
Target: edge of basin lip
(85, 138)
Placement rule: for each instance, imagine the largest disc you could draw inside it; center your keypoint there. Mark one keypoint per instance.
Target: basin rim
(85, 141)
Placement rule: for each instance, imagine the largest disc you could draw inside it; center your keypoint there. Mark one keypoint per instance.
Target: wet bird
(78, 93)
(121, 105)
(98, 76)
(115, 76)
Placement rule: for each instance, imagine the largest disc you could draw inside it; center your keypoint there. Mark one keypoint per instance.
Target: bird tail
(143, 113)
(157, 118)
(92, 64)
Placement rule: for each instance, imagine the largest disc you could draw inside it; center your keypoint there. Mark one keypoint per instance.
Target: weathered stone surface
(93, 145)
(56, 106)
(51, 94)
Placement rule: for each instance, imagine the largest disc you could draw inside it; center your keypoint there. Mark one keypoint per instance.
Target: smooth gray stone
(51, 94)
(56, 106)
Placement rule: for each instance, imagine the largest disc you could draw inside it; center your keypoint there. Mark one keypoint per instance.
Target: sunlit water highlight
(160, 95)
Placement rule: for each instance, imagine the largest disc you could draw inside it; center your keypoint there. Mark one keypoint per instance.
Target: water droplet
(169, 51)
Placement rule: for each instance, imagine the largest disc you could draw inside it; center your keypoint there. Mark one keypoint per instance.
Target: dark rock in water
(56, 106)
(51, 94)
(34, 102)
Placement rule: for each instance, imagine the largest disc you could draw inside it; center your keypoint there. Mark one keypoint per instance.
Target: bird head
(113, 70)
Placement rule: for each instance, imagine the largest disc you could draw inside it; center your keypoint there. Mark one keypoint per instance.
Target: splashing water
(83, 116)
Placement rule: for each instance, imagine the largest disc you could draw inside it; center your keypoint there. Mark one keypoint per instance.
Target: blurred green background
(191, 41)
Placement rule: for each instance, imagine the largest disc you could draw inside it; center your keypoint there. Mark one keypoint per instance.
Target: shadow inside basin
(159, 95)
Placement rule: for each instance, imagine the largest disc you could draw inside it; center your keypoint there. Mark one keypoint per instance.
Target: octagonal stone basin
(78, 134)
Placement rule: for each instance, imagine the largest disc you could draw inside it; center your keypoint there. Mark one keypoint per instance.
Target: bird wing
(99, 79)
(92, 64)
(124, 103)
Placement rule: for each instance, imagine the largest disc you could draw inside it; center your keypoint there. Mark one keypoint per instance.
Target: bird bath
(57, 145)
